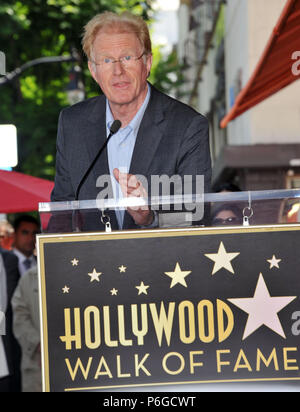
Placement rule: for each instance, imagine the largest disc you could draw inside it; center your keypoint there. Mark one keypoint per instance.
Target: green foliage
(30, 29)
(220, 29)
(166, 74)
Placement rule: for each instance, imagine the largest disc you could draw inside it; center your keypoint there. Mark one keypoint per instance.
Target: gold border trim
(138, 234)
(43, 317)
(183, 383)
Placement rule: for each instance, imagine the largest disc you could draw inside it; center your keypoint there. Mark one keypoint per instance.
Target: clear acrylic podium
(271, 207)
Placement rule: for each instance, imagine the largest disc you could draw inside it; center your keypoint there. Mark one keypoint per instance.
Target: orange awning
(274, 70)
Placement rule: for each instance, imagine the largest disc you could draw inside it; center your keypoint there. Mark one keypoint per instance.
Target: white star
(114, 292)
(178, 276)
(142, 288)
(95, 275)
(274, 263)
(75, 262)
(122, 269)
(263, 309)
(65, 289)
(222, 259)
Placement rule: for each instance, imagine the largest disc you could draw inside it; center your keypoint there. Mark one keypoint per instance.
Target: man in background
(26, 228)
(26, 327)
(10, 354)
(6, 235)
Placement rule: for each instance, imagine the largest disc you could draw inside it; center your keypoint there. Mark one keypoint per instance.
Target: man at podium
(132, 129)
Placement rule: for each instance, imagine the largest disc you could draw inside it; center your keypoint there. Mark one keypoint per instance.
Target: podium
(210, 303)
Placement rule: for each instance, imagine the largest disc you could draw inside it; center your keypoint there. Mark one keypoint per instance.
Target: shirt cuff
(154, 222)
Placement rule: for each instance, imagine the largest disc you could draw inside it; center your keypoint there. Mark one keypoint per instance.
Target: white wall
(207, 87)
(183, 28)
(249, 24)
(183, 39)
(237, 59)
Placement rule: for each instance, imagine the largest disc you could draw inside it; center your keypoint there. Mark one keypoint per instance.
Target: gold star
(178, 276)
(95, 275)
(122, 269)
(222, 259)
(75, 262)
(65, 289)
(114, 292)
(274, 263)
(142, 288)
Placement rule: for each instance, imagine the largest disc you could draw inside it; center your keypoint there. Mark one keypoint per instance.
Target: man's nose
(118, 68)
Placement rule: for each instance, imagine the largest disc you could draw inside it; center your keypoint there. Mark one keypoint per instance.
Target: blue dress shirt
(120, 148)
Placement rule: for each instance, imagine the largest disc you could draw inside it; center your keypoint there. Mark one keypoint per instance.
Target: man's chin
(27, 252)
(121, 98)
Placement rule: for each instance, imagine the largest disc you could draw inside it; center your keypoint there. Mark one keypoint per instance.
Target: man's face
(25, 238)
(121, 85)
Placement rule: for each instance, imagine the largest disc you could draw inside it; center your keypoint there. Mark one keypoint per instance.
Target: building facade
(220, 44)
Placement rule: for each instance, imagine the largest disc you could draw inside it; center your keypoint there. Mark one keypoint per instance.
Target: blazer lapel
(97, 138)
(149, 136)
(94, 141)
(148, 139)
(92, 136)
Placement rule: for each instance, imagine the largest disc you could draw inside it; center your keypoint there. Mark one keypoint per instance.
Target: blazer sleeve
(194, 167)
(63, 188)
(194, 155)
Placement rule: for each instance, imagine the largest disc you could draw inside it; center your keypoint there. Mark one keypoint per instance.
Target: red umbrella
(22, 193)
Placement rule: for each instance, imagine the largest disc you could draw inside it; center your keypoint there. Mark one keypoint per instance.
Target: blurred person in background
(6, 235)
(227, 214)
(26, 228)
(26, 327)
(10, 354)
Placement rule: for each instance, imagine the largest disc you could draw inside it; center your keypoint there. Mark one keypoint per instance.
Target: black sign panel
(174, 306)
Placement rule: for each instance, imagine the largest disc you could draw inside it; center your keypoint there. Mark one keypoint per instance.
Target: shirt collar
(136, 121)
(21, 256)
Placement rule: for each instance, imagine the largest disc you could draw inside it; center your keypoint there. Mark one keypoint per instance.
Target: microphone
(114, 128)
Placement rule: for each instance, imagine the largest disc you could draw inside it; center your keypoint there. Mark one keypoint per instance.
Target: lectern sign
(173, 306)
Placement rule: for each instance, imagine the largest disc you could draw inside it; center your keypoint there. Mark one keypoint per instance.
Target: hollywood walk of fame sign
(129, 309)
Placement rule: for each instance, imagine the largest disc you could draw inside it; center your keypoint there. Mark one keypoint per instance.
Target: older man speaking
(158, 136)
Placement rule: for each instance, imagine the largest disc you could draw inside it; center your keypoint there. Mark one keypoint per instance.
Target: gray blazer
(173, 139)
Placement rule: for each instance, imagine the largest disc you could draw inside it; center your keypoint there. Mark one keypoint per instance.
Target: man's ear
(149, 63)
(92, 69)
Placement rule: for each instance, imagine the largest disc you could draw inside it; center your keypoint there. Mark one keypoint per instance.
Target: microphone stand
(76, 216)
